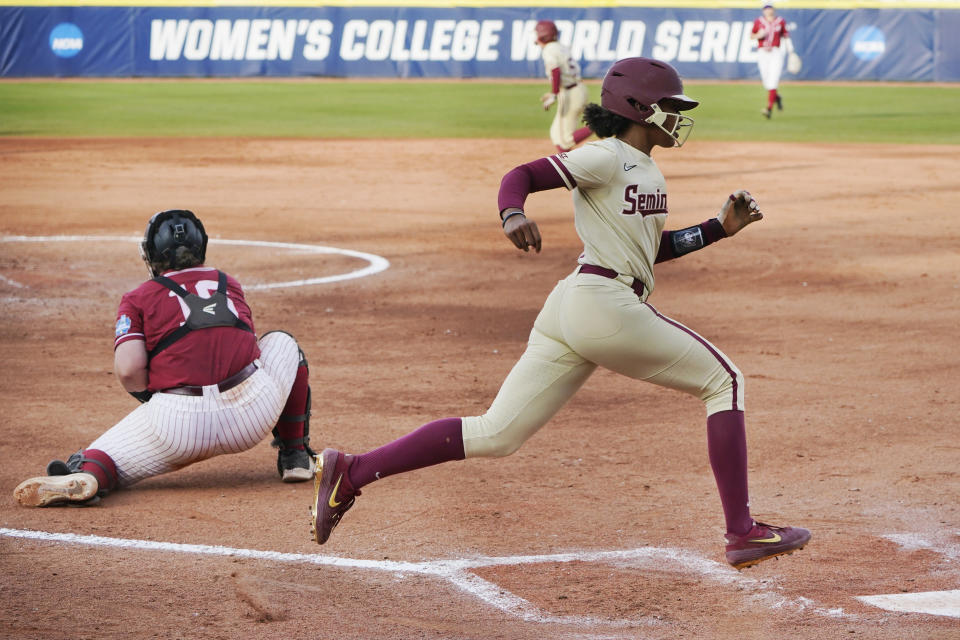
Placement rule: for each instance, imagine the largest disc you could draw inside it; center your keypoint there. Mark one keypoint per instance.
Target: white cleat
(44, 491)
(300, 473)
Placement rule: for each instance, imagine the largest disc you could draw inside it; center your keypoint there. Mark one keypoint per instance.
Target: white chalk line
(12, 283)
(376, 263)
(458, 572)
(915, 542)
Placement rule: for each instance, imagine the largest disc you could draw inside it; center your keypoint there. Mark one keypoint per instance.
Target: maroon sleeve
(521, 181)
(129, 320)
(666, 248)
(712, 231)
(555, 79)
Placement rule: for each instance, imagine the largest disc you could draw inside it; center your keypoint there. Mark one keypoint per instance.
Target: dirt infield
(841, 308)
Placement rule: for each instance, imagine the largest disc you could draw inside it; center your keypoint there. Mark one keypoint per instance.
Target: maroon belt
(225, 385)
(637, 285)
(571, 86)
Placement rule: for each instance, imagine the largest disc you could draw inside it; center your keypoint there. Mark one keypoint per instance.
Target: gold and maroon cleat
(763, 542)
(332, 494)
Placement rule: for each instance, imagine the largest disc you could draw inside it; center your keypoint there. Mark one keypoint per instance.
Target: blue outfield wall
(835, 44)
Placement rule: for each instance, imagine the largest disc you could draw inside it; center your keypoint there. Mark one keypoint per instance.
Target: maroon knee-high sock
(727, 445)
(771, 98)
(107, 474)
(433, 443)
(296, 406)
(581, 134)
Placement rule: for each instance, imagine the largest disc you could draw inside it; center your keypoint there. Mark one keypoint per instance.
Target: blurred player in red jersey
(567, 90)
(773, 41)
(185, 348)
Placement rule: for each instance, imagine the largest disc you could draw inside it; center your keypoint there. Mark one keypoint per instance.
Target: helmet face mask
(679, 131)
(166, 232)
(635, 88)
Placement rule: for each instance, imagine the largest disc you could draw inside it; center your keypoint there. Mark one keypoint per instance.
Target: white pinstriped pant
(173, 431)
(589, 320)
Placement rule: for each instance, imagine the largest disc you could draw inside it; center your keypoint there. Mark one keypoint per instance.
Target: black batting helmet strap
(168, 230)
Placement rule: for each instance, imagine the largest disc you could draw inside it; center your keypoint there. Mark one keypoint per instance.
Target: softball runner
(598, 315)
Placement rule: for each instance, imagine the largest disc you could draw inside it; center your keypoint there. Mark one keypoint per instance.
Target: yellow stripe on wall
(783, 5)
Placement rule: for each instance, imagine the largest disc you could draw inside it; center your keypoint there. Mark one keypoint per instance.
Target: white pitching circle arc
(376, 263)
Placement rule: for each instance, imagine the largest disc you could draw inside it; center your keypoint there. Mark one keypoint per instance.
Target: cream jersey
(620, 205)
(556, 56)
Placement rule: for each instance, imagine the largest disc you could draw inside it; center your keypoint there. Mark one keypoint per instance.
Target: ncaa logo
(868, 43)
(66, 40)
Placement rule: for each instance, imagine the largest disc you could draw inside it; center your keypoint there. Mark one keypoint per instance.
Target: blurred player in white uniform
(599, 316)
(773, 42)
(566, 89)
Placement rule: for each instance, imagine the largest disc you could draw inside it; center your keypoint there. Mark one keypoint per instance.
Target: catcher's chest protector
(204, 312)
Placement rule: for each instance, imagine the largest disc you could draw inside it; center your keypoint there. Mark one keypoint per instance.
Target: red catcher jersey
(202, 357)
(775, 31)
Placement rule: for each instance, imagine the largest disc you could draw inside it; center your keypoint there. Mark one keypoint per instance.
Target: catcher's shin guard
(74, 464)
(293, 463)
(281, 443)
(290, 462)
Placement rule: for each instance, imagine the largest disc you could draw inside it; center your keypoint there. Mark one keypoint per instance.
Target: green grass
(411, 109)
(830, 113)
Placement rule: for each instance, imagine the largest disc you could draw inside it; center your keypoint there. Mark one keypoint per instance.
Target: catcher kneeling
(185, 347)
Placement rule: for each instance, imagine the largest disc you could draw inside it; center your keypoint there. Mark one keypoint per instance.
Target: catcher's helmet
(633, 87)
(546, 31)
(166, 232)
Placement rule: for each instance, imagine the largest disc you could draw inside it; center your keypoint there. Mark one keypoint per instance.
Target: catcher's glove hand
(794, 63)
(142, 396)
(547, 100)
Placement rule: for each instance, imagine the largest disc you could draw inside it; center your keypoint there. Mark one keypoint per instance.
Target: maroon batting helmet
(633, 85)
(546, 31)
